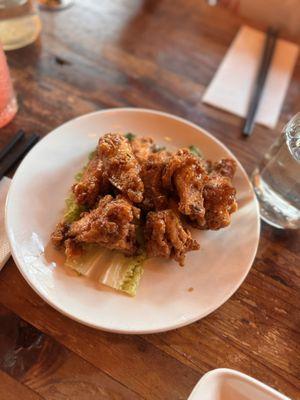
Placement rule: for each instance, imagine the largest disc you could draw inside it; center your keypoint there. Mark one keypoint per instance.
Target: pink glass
(8, 103)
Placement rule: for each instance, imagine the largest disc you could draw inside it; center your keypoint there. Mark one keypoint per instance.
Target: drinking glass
(8, 103)
(20, 24)
(277, 179)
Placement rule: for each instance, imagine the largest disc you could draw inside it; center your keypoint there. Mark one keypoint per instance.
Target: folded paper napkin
(4, 245)
(231, 87)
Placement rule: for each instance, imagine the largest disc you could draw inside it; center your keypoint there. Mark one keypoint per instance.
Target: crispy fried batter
(219, 195)
(111, 224)
(142, 148)
(59, 235)
(120, 166)
(155, 197)
(225, 167)
(185, 173)
(168, 188)
(72, 248)
(92, 184)
(166, 236)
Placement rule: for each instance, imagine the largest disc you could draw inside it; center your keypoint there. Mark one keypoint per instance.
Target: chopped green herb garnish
(195, 150)
(130, 136)
(73, 209)
(78, 176)
(92, 154)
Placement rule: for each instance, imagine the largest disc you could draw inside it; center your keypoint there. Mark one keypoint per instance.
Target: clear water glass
(277, 179)
(20, 23)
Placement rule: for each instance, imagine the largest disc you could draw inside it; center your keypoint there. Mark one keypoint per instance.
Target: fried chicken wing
(132, 185)
(225, 167)
(142, 148)
(155, 196)
(219, 195)
(186, 174)
(72, 248)
(111, 224)
(167, 237)
(60, 239)
(92, 184)
(120, 166)
(59, 235)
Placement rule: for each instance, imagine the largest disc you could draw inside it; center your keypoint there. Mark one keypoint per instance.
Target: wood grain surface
(160, 55)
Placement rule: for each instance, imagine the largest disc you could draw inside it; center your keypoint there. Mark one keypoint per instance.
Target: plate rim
(112, 329)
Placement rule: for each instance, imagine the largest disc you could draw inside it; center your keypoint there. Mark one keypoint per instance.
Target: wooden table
(161, 55)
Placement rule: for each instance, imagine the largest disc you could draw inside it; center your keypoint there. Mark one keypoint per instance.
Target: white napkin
(4, 245)
(231, 87)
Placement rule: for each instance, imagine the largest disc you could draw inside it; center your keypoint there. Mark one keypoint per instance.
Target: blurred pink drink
(8, 103)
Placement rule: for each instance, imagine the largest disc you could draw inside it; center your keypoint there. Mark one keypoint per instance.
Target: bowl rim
(220, 373)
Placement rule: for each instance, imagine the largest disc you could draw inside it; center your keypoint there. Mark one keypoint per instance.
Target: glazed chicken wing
(219, 195)
(166, 237)
(120, 166)
(92, 184)
(111, 224)
(186, 174)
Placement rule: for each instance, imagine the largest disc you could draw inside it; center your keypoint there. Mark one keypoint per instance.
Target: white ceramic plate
(227, 384)
(169, 296)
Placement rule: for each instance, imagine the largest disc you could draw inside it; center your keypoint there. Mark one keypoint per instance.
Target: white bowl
(227, 384)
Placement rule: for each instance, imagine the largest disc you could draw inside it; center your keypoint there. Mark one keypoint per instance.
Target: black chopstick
(17, 154)
(19, 136)
(260, 79)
